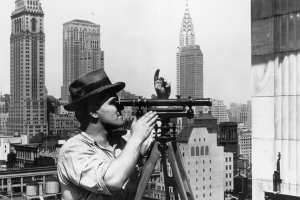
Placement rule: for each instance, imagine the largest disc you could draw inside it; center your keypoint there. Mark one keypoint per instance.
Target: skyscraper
(27, 114)
(218, 110)
(81, 51)
(240, 113)
(189, 61)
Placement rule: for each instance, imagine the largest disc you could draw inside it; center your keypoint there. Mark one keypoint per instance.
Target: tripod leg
(165, 171)
(183, 185)
(147, 171)
(182, 171)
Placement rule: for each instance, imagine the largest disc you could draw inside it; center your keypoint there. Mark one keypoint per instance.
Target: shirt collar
(90, 140)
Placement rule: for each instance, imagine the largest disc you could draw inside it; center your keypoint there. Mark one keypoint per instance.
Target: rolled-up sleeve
(83, 167)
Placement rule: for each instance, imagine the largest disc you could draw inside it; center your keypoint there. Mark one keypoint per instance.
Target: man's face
(109, 114)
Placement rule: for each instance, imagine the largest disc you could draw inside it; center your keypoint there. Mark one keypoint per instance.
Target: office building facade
(81, 51)
(63, 123)
(219, 111)
(3, 123)
(27, 111)
(205, 163)
(275, 99)
(245, 145)
(241, 113)
(4, 103)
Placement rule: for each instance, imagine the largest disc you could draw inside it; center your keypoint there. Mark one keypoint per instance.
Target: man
(89, 165)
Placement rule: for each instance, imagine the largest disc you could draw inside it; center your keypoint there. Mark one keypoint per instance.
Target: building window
(33, 24)
(197, 151)
(202, 150)
(206, 150)
(193, 151)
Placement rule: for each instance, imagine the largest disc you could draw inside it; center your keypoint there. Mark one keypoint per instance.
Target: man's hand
(142, 128)
(146, 144)
(162, 87)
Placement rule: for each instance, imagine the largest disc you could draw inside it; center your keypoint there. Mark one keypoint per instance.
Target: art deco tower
(27, 69)
(189, 61)
(81, 51)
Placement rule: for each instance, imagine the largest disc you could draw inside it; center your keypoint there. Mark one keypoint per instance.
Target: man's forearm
(120, 168)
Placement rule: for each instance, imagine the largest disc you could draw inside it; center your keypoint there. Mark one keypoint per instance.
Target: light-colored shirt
(81, 167)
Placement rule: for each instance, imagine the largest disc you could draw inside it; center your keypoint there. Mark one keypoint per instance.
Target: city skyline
(146, 38)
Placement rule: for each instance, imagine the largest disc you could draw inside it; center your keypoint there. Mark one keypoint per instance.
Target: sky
(140, 36)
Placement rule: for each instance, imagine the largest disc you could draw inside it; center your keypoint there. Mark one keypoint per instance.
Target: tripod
(166, 146)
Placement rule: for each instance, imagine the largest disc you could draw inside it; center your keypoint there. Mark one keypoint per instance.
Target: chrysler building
(189, 61)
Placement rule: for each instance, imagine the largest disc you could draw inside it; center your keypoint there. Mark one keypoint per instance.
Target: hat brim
(116, 87)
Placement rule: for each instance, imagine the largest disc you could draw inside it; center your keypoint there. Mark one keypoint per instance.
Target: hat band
(90, 87)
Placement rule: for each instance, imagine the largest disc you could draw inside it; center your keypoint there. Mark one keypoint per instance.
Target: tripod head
(166, 110)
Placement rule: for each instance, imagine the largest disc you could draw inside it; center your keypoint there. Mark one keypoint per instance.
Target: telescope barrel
(165, 102)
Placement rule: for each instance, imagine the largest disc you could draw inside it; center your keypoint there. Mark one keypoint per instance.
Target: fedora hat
(90, 84)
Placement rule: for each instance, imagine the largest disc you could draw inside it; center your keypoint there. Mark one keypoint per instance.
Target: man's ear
(94, 115)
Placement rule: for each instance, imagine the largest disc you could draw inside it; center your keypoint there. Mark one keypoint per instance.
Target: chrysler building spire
(187, 36)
